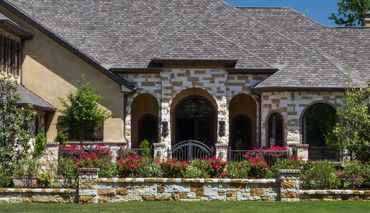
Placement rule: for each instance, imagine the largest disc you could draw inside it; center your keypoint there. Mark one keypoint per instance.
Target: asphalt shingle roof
(128, 34)
(28, 97)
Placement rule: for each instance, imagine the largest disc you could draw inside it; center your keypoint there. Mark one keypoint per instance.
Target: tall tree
(81, 112)
(352, 130)
(351, 12)
(14, 132)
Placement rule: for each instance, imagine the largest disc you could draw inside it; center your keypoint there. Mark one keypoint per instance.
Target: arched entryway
(275, 130)
(243, 121)
(317, 120)
(194, 120)
(144, 119)
(194, 117)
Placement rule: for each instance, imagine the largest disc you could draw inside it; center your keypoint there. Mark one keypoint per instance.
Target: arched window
(148, 129)
(317, 121)
(241, 132)
(275, 130)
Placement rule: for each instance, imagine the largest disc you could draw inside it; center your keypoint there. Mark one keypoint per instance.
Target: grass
(153, 207)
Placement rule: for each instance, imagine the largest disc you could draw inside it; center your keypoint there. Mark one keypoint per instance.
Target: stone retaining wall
(158, 189)
(22, 195)
(334, 195)
(92, 189)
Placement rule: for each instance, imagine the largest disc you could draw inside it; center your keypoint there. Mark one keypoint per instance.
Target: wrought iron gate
(189, 150)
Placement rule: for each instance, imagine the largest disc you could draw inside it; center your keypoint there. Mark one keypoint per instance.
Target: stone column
(301, 151)
(289, 184)
(222, 151)
(87, 186)
(160, 152)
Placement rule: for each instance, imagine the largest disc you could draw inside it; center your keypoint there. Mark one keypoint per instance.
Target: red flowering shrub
(173, 168)
(129, 166)
(216, 167)
(87, 156)
(258, 167)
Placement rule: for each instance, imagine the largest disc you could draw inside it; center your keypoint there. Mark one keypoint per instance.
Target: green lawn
(153, 207)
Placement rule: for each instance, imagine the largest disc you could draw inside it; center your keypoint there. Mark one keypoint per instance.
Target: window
(10, 56)
(275, 130)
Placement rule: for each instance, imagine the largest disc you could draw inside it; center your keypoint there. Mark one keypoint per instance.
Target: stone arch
(198, 95)
(316, 120)
(243, 104)
(142, 105)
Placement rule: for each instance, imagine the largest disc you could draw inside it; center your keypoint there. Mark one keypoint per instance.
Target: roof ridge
(262, 7)
(232, 42)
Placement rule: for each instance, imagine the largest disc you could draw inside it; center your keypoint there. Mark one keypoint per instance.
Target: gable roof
(66, 44)
(28, 97)
(128, 34)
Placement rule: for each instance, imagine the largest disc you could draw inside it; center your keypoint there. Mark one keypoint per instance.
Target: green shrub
(150, 170)
(40, 145)
(284, 163)
(25, 168)
(68, 168)
(366, 173)
(145, 148)
(5, 179)
(320, 175)
(195, 172)
(61, 139)
(238, 170)
(353, 174)
(44, 179)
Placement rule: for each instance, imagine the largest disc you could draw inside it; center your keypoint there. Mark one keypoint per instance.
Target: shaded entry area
(194, 120)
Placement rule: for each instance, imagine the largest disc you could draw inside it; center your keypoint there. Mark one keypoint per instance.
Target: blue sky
(318, 10)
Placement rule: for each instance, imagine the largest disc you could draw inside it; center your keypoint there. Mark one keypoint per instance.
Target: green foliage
(351, 132)
(351, 12)
(14, 134)
(44, 179)
(238, 170)
(40, 145)
(197, 169)
(320, 175)
(150, 170)
(194, 172)
(353, 174)
(68, 168)
(5, 178)
(145, 148)
(81, 112)
(26, 168)
(284, 163)
(61, 139)
(240, 145)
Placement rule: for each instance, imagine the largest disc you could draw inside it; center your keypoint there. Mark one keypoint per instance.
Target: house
(178, 70)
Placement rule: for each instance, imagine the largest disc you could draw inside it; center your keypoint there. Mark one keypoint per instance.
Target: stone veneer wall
(291, 105)
(159, 189)
(92, 189)
(22, 195)
(164, 86)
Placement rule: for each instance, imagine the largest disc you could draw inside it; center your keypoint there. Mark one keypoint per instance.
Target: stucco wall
(52, 71)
